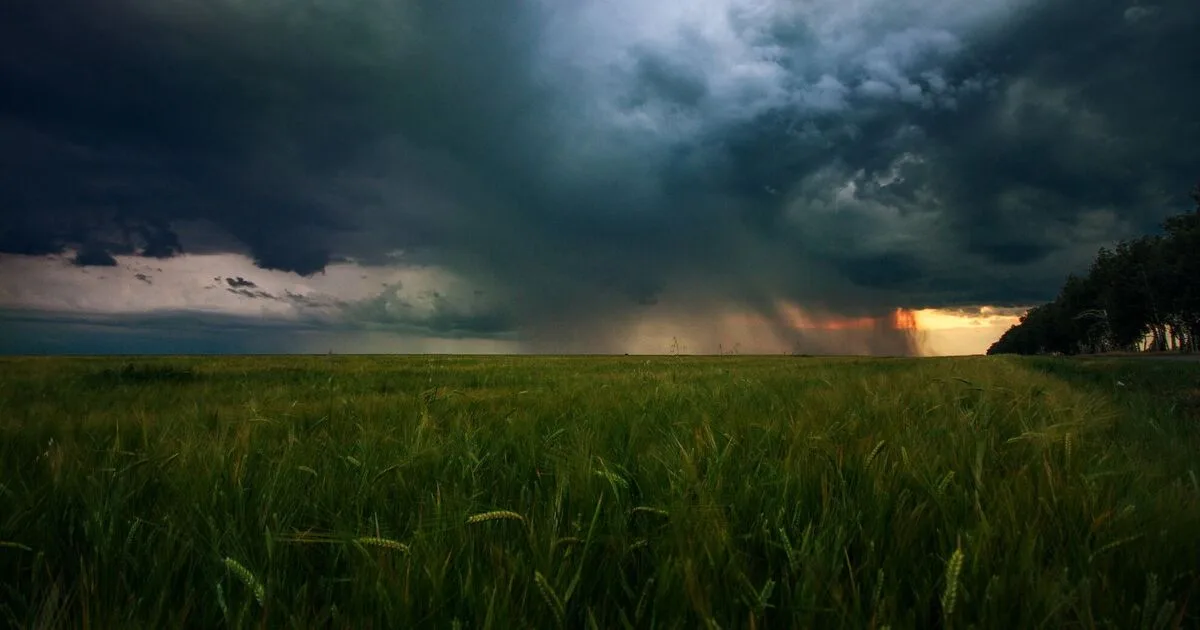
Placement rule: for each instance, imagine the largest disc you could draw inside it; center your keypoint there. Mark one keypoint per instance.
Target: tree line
(1142, 295)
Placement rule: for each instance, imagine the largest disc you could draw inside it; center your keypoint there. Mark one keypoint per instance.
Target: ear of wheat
(644, 509)
(383, 543)
(552, 599)
(613, 478)
(875, 453)
(950, 593)
(1113, 545)
(563, 542)
(247, 578)
(792, 556)
(945, 482)
(495, 515)
(878, 596)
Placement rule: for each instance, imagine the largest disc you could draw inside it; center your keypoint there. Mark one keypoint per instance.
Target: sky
(897, 177)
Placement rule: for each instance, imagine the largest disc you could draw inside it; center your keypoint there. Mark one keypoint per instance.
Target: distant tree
(1082, 321)
(1142, 294)
(1181, 277)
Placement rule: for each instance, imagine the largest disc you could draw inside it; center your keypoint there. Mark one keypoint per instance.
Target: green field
(599, 492)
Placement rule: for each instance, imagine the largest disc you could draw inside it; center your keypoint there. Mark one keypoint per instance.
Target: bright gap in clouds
(948, 332)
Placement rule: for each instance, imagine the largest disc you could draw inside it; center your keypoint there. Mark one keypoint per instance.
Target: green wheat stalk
(552, 598)
(1113, 545)
(640, 611)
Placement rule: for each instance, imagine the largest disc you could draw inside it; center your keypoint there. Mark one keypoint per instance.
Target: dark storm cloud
(252, 293)
(661, 79)
(1067, 115)
(1095, 119)
(92, 257)
(242, 287)
(929, 156)
(240, 283)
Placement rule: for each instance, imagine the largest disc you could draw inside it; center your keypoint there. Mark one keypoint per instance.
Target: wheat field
(598, 492)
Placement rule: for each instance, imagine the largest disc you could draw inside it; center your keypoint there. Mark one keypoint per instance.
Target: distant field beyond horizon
(599, 492)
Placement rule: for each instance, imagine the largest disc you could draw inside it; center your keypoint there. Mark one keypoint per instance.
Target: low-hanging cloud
(589, 164)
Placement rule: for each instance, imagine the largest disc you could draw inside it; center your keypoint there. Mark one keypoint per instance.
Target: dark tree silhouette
(1144, 294)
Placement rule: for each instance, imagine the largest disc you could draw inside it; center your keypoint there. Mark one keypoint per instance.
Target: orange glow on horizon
(904, 319)
(786, 328)
(791, 327)
(899, 319)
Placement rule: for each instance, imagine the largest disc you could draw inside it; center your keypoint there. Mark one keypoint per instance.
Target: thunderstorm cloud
(567, 168)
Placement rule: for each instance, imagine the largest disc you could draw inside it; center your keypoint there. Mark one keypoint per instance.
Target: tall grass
(667, 492)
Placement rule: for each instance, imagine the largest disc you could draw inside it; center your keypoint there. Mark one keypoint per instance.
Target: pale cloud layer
(352, 308)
